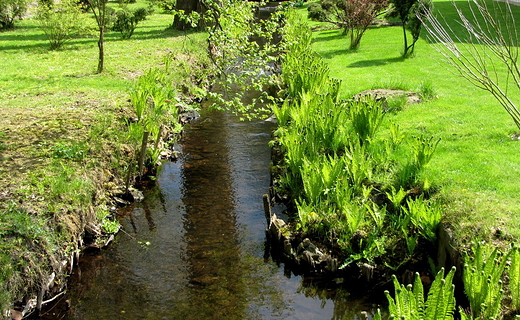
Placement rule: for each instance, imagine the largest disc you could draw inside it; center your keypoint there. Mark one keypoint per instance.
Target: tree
(61, 22)
(99, 9)
(486, 53)
(10, 10)
(408, 11)
(186, 8)
(353, 16)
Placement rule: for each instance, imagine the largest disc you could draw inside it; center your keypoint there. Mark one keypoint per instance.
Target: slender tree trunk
(405, 52)
(101, 46)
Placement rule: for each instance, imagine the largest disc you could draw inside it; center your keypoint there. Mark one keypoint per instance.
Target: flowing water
(194, 249)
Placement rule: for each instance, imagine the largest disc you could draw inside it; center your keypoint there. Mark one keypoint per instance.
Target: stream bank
(195, 247)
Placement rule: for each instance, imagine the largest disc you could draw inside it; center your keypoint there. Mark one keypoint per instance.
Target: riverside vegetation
(363, 176)
(70, 139)
(360, 173)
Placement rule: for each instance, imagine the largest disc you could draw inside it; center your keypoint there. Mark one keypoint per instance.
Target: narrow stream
(194, 249)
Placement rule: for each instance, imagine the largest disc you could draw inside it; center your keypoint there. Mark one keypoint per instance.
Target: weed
(395, 103)
(427, 91)
(69, 151)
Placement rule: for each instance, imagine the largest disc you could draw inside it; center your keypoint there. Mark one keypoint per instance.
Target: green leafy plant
(425, 215)
(69, 151)
(514, 278)
(482, 281)
(126, 20)
(366, 117)
(408, 301)
(62, 22)
(423, 150)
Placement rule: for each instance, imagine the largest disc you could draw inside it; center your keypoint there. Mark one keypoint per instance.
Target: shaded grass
(476, 162)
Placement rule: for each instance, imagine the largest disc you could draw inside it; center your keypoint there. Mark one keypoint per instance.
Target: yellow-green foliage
(408, 301)
(514, 279)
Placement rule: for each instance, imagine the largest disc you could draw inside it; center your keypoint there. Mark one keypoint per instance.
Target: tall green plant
(366, 117)
(514, 278)
(408, 302)
(482, 281)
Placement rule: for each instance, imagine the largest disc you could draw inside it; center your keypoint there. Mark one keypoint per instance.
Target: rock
(137, 195)
(383, 94)
(275, 229)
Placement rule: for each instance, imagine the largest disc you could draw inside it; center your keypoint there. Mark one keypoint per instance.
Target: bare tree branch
(487, 53)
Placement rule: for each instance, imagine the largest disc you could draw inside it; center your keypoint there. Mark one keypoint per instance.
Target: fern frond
(514, 278)
(441, 300)
(418, 293)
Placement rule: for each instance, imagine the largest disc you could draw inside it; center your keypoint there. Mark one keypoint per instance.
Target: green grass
(476, 163)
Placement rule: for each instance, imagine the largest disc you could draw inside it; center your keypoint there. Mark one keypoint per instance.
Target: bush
(10, 10)
(126, 21)
(167, 6)
(62, 22)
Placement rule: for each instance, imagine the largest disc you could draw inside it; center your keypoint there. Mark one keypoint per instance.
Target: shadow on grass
(375, 62)
(329, 35)
(40, 44)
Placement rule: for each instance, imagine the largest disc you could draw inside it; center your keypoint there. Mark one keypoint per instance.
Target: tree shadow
(40, 44)
(329, 35)
(375, 62)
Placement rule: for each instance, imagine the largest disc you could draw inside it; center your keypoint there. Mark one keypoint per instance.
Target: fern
(441, 299)
(482, 283)
(409, 301)
(514, 278)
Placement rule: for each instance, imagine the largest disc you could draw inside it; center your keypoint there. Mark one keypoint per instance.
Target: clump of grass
(427, 91)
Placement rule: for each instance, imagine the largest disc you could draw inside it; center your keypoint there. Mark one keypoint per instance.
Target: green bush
(62, 22)
(126, 21)
(10, 10)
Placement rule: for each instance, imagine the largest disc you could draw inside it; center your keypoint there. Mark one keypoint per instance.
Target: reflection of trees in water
(226, 281)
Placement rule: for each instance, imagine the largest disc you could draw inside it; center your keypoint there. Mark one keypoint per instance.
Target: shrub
(10, 10)
(62, 22)
(127, 20)
(353, 16)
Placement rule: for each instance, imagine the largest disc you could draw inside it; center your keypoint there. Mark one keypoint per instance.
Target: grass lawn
(476, 164)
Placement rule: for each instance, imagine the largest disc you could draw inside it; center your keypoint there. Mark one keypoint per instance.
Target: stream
(195, 247)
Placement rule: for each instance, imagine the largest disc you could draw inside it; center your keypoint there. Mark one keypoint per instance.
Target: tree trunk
(101, 46)
(405, 52)
(188, 6)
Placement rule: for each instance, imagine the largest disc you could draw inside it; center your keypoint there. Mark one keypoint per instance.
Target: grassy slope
(53, 101)
(476, 164)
